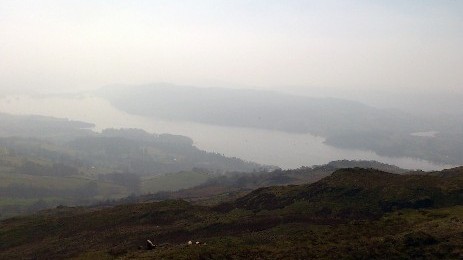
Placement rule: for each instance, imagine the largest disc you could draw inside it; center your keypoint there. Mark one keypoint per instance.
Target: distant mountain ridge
(344, 124)
(249, 108)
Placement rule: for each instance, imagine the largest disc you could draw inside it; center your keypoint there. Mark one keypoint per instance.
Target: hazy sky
(309, 46)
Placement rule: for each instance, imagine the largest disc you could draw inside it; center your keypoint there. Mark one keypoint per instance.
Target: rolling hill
(343, 123)
(45, 162)
(357, 213)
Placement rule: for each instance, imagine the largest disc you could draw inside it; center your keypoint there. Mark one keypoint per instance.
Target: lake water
(286, 150)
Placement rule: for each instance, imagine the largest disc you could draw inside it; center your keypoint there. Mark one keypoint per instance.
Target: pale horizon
(316, 47)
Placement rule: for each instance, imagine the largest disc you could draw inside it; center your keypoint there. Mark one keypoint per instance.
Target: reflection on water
(286, 150)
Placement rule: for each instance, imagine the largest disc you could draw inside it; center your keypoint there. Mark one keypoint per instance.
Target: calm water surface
(286, 150)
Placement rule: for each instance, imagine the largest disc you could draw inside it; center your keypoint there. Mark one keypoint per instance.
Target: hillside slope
(45, 162)
(339, 216)
(361, 192)
(236, 184)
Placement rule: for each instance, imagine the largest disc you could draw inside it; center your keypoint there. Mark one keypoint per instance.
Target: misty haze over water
(399, 62)
(218, 129)
(286, 150)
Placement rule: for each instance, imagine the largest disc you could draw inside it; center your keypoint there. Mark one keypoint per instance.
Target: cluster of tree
(152, 154)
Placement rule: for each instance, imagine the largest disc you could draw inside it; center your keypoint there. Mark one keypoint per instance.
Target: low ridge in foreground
(354, 213)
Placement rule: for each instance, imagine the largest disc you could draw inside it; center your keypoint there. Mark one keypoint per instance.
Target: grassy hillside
(45, 162)
(359, 192)
(174, 181)
(340, 216)
(233, 185)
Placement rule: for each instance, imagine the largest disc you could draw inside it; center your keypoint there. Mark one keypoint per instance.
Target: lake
(286, 150)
